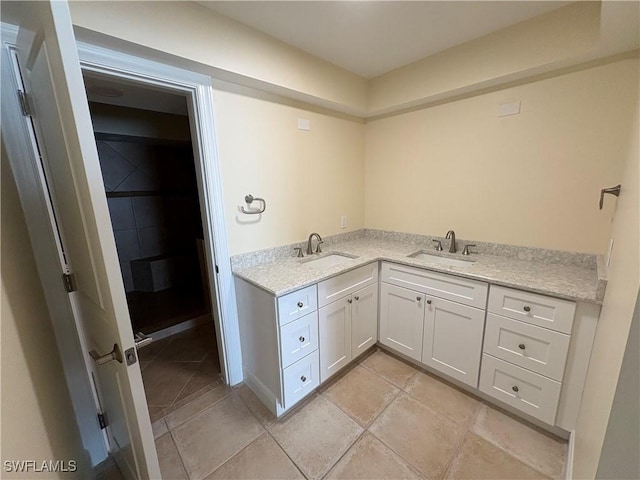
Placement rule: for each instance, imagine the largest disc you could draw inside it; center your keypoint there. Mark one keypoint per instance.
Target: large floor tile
(362, 394)
(479, 459)
(170, 463)
(163, 381)
(159, 428)
(368, 458)
(540, 451)
(254, 404)
(151, 351)
(262, 459)
(422, 438)
(190, 346)
(442, 398)
(316, 436)
(207, 374)
(214, 435)
(194, 407)
(390, 368)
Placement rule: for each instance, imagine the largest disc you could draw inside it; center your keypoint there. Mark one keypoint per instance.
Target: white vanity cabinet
(434, 318)
(280, 341)
(525, 350)
(401, 320)
(348, 317)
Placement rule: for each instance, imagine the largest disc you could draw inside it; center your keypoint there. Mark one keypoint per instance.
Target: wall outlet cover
(511, 108)
(304, 124)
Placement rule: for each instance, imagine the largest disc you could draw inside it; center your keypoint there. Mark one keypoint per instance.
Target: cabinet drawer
(298, 338)
(297, 304)
(540, 310)
(527, 391)
(300, 379)
(337, 287)
(449, 287)
(539, 349)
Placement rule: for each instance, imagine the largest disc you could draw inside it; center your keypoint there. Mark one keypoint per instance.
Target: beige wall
(308, 178)
(196, 33)
(38, 422)
(568, 32)
(615, 318)
(530, 179)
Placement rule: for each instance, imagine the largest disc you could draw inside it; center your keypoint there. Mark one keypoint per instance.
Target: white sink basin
(328, 260)
(433, 258)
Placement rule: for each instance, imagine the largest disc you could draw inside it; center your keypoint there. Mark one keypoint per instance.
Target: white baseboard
(568, 468)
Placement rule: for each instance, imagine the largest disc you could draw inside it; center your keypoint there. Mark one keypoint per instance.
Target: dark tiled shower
(155, 213)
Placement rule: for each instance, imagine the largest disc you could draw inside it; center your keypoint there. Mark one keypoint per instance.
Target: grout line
(356, 440)
(287, 454)
(175, 444)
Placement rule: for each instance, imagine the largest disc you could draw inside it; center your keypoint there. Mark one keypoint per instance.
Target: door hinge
(102, 420)
(69, 284)
(24, 104)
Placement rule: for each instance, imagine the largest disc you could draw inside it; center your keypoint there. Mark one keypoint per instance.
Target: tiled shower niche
(155, 213)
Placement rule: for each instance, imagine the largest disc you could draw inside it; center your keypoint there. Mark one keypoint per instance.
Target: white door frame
(199, 92)
(24, 165)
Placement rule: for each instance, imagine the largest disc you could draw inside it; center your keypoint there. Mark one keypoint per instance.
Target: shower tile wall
(140, 223)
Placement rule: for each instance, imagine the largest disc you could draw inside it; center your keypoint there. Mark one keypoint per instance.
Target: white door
(334, 326)
(53, 80)
(401, 320)
(364, 319)
(453, 339)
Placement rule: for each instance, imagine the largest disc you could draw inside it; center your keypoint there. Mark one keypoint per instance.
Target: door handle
(115, 354)
(142, 340)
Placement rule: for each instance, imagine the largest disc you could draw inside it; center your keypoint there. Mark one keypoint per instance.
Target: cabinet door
(402, 320)
(364, 319)
(334, 325)
(453, 339)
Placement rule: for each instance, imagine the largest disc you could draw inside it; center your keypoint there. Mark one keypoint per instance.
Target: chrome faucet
(452, 235)
(310, 244)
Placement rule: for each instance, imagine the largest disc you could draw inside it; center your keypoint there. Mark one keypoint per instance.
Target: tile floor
(178, 369)
(381, 419)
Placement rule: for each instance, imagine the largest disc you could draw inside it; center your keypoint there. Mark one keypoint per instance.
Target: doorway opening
(146, 156)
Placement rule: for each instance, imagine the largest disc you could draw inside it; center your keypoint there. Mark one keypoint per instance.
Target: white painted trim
(16, 132)
(568, 467)
(199, 92)
(180, 327)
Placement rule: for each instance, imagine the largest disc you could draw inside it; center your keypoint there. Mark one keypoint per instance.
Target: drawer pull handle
(515, 388)
(350, 300)
(418, 298)
(428, 302)
(300, 304)
(357, 298)
(526, 308)
(522, 346)
(303, 378)
(301, 339)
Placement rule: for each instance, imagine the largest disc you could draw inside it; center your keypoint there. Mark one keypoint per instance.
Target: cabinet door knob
(418, 298)
(300, 304)
(303, 378)
(357, 298)
(428, 302)
(301, 339)
(526, 308)
(515, 388)
(522, 346)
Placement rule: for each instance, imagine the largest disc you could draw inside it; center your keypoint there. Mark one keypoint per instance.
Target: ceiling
(370, 38)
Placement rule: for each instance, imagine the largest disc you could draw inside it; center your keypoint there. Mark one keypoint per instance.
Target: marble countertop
(572, 282)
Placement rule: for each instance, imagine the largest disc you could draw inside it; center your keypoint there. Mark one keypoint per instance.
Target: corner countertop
(568, 281)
